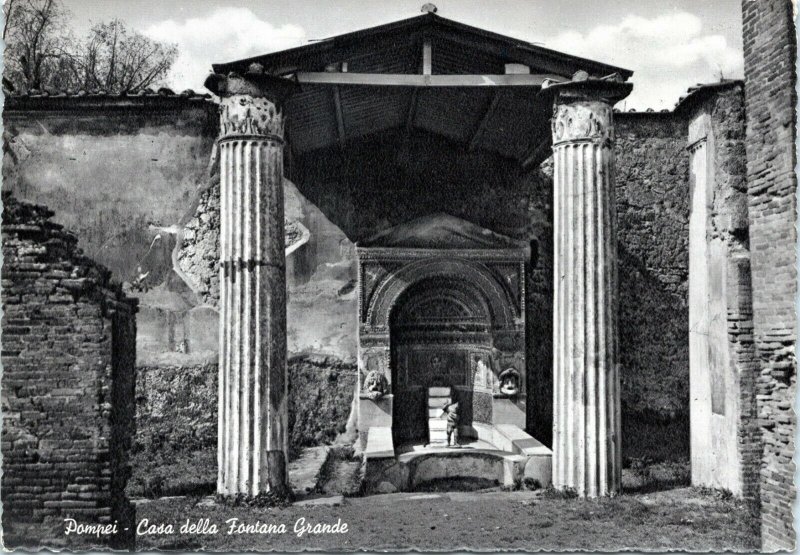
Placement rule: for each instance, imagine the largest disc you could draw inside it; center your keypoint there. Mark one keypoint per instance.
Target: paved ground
(676, 519)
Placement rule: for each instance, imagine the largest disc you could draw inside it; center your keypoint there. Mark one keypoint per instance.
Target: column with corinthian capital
(252, 441)
(586, 398)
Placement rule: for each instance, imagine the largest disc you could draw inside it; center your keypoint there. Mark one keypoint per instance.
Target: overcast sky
(669, 44)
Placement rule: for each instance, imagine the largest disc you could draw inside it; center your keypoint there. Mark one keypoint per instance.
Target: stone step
(438, 392)
(437, 424)
(438, 437)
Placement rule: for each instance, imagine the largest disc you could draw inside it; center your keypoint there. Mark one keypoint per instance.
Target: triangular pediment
(391, 48)
(440, 231)
(373, 81)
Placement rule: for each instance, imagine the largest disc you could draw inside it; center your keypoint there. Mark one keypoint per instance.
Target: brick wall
(68, 383)
(730, 224)
(726, 447)
(769, 58)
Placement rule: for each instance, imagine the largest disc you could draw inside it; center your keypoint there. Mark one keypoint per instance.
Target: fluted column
(252, 442)
(586, 398)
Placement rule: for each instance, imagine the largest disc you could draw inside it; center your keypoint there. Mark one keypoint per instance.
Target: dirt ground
(683, 518)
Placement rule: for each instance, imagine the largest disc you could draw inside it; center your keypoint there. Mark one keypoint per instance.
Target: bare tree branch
(8, 14)
(41, 53)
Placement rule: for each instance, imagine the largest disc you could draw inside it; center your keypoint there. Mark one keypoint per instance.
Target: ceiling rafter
(425, 67)
(412, 109)
(393, 73)
(484, 123)
(340, 128)
(537, 152)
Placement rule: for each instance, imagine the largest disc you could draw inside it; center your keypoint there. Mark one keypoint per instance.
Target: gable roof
(392, 39)
(506, 120)
(440, 231)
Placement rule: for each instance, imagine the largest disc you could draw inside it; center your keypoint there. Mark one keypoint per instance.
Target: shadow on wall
(394, 177)
(654, 361)
(320, 273)
(177, 381)
(322, 306)
(176, 413)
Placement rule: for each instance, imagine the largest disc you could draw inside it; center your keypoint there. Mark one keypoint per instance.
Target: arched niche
(466, 304)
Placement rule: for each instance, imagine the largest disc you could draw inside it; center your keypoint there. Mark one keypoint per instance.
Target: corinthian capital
(242, 115)
(250, 105)
(582, 108)
(582, 120)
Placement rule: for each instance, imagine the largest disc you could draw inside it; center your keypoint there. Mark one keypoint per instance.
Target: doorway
(437, 327)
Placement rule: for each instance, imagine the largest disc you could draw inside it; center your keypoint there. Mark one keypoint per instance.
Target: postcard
(384, 276)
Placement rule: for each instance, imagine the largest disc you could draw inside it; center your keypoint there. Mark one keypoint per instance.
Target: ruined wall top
(37, 241)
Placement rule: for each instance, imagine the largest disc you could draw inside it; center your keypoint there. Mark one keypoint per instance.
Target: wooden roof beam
(477, 136)
(412, 109)
(427, 57)
(337, 106)
(410, 80)
(484, 123)
(337, 103)
(538, 151)
(426, 68)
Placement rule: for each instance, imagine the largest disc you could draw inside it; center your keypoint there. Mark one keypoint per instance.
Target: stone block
(379, 443)
(508, 411)
(375, 413)
(438, 392)
(511, 438)
(380, 473)
(539, 468)
(385, 487)
(513, 468)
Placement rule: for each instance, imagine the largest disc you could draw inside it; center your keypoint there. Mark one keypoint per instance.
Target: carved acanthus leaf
(583, 120)
(244, 115)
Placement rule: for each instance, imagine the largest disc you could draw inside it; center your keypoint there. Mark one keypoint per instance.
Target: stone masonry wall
(770, 78)
(68, 386)
(652, 190)
(177, 406)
